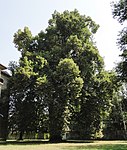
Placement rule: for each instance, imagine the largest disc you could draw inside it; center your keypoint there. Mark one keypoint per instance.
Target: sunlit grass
(100, 147)
(84, 145)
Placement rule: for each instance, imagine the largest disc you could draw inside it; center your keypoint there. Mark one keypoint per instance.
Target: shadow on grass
(36, 142)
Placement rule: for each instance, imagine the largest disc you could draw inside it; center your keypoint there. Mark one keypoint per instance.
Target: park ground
(70, 145)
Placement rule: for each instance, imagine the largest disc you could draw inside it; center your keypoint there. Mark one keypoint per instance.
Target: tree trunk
(55, 136)
(124, 122)
(20, 135)
(56, 123)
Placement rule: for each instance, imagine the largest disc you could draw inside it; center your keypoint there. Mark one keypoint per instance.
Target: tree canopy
(120, 13)
(60, 80)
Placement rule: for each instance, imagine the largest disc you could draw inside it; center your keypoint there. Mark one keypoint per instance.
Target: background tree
(116, 122)
(120, 13)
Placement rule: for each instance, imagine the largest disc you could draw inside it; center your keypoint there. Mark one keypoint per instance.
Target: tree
(68, 85)
(70, 35)
(26, 79)
(61, 67)
(120, 13)
(116, 121)
(95, 106)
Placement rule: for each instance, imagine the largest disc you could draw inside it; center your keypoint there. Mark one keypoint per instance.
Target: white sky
(16, 14)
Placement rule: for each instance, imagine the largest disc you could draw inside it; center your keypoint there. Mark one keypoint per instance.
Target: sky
(17, 14)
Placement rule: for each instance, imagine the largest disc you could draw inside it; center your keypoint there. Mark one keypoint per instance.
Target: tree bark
(20, 135)
(56, 123)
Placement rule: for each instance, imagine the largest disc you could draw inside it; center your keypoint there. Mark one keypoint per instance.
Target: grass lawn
(82, 145)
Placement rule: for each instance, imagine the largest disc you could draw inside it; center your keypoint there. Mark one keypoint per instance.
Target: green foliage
(95, 105)
(60, 81)
(120, 12)
(25, 83)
